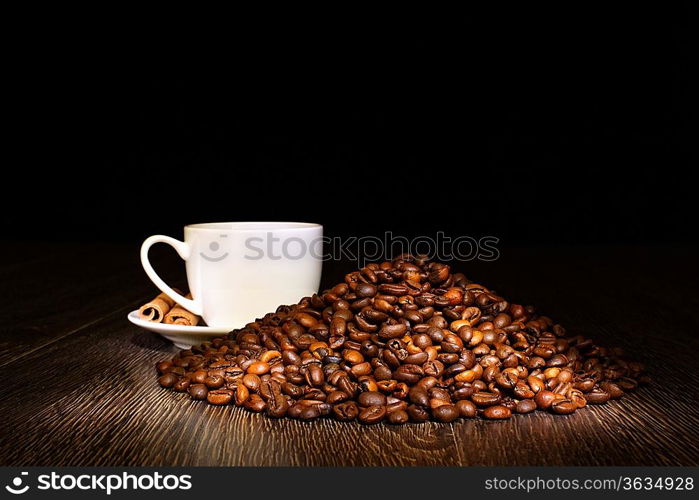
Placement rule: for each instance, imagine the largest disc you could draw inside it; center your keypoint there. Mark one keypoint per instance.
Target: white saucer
(183, 337)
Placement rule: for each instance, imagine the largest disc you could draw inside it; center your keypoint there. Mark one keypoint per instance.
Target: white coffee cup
(240, 271)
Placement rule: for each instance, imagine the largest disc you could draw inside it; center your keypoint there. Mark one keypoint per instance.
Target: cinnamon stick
(178, 315)
(156, 309)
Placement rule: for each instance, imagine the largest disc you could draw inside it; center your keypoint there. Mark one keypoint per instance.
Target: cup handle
(184, 251)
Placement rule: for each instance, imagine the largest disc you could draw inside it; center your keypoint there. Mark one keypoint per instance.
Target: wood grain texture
(50, 291)
(91, 397)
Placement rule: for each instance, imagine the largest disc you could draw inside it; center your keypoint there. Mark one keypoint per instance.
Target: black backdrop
(535, 127)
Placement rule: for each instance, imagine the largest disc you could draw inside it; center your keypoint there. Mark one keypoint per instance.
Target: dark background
(538, 127)
(565, 131)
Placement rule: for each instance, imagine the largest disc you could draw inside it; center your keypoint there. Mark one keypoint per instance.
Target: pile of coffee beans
(403, 341)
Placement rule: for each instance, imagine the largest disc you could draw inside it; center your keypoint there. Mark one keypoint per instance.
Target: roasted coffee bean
(419, 396)
(535, 383)
(270, 356)
(347, 386)
(314, 375)
(486, 398)
(368, 384)
(436, 369)
(565, 376)
(446, 413)
(577, 398)
(371, 399)
(479, 385)
(626, 383)
(422, 341)
(436, 402)
(164, 366)
(563, 407)
(198, 391)
(393, 331)
(402, 340)
(361, 369)
(395, 406)
(439, 392)
(258, 368)
(167, 380)
(464, 392)
(544, 399)
(614, 391)
(416, 359)
(501, 320)
(418, 413)
(337, 397)
(346, 411)
(310, 413)
(255, 403)
(365, 290)
(497, 412)
(398, 417)
(597, 397)
(393, 289)
(400, 391)
(266, 389)
(584, 385)
(522, 391)
(220, 396)
(292, 390)
(242, 393)
(338, 326)
(291, 358)
(313, 394)
(557, 360)
(435, 332)
(383, 373)
(182, 385)
(410, 374)
(372, 414)
(200, 376)
(466, 408)
(352, 357)
(214, 381)
(277, 404)
(526, 406)
(506, 380)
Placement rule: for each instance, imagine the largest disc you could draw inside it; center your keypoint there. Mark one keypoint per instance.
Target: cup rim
(251, 226)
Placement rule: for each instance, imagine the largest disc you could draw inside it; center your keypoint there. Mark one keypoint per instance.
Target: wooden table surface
(80, 387)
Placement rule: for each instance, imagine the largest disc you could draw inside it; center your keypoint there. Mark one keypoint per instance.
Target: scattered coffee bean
(398, 417)
(258, 368)
(310, 413)
(164, 366)
(198, 391)
(214, 381)
(220, 396)
(466, 408)
(597, 397)
(525, 406)
(446, 413)
(167, 380)
(563, 407)
(544, 399)
(346, 411)
(372, 415)
(497, 412)
(182, 385)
